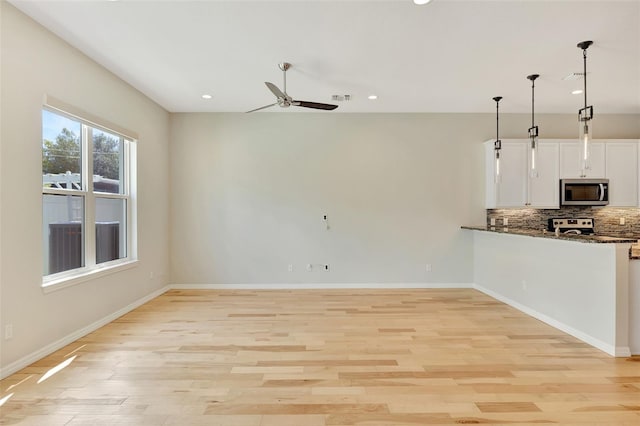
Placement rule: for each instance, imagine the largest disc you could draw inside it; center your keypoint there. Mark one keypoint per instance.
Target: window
(86, 197)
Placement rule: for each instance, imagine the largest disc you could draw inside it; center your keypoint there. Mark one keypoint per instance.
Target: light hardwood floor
(315, 358)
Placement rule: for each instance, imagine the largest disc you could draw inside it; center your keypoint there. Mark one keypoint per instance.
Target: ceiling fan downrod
(284, 66)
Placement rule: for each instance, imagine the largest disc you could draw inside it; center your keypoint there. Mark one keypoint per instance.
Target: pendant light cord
(584, 58)
(588, 111)
(497, 120)
(533, 130)
(497, 99)
(533, 85)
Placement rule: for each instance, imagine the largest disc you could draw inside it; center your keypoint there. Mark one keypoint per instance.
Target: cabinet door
(544, 190)
(571, 164)
(512, 183)
(622, 172)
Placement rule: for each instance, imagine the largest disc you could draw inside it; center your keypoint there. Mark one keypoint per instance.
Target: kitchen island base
(579, 288)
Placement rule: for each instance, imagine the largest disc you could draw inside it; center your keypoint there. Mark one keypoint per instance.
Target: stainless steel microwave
(584, 192)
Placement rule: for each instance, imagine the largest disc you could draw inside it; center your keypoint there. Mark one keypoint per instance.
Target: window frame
(127, 193)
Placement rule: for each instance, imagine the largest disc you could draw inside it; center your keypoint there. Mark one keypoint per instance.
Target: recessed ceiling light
(576, 92)
(207, 96)
(421, 2)
(372, 97)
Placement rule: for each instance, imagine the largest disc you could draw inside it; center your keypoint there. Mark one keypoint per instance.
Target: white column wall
(571, 285)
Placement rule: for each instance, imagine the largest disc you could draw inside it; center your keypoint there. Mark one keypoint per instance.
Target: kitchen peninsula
(576, 283)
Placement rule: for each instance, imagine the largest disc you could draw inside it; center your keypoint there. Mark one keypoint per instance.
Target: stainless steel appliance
(584, 192)
(571, 225)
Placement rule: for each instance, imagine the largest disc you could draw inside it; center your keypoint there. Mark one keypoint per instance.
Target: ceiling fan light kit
(285, 101)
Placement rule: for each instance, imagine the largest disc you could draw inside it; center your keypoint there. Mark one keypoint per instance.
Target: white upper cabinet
(616, 160)
(515, 187)
(544, 190)
(622, 172)
(571, 160)
(512, 182)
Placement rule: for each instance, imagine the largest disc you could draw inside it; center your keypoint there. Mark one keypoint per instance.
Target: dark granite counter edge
(598, 239)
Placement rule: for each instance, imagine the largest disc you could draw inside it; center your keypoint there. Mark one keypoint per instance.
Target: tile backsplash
(606, 219)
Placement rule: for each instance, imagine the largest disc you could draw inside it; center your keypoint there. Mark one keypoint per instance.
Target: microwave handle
(601, 198)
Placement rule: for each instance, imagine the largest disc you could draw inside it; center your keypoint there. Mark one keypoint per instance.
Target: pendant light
(497, 145)
(585, 115)
(533, 130)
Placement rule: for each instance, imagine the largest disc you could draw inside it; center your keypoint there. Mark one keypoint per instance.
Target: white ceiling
(448, 56)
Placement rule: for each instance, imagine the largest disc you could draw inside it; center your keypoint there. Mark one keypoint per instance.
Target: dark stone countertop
(552, 235)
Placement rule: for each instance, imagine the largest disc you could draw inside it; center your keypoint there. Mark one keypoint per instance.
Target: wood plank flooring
(320, 358)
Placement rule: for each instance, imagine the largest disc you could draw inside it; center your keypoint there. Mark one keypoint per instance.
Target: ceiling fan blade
(315, 105)
(274, 89)
(264, 107)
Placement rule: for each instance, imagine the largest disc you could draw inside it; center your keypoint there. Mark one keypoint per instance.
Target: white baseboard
(70, 338)
(623, 351)
(317, 286)
(605, 347)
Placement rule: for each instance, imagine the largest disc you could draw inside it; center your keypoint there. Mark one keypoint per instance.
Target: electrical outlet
(8, 332)
(427, 267)
(622, 221)
(290, 268)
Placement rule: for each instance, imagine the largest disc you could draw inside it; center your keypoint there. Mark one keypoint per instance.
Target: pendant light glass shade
(533, 131)
(497, 148)
(585, 117)
(497, 144)
(585, 130)
(534, 155)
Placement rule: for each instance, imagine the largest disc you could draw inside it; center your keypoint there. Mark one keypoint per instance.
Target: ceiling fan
(285, 101)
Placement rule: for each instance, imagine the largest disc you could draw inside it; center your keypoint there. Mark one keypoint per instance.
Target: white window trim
(55, 282)
(91, 270)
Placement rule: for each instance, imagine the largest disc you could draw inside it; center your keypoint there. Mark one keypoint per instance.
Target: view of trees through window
(106, 155)
(62, 153)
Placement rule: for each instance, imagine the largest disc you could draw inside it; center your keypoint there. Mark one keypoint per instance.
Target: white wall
(250, 191)
(35, 63)
(634, 306)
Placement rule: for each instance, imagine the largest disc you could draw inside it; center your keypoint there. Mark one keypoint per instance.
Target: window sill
(51, 285)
